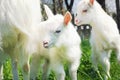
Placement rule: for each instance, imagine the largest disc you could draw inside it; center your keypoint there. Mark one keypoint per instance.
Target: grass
(85, 71)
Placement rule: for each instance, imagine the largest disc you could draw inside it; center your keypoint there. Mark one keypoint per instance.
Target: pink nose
(45, 44)
(76, 21)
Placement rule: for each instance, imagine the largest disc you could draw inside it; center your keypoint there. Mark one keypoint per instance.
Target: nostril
(45, 42)
(76, 20)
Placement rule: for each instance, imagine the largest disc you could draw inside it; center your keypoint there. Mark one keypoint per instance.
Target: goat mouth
(45, 45)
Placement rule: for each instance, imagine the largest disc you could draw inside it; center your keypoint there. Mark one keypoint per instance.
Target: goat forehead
(52, 26)
(82, 5)
(58, 18)
(55, 23)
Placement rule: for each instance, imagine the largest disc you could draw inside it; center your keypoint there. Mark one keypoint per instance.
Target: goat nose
(45, 44)
(76, 20)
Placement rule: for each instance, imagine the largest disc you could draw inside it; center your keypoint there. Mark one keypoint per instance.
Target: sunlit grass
(85, 71)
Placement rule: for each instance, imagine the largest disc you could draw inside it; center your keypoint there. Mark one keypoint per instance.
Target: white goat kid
(104, 35)
(15, 17)
(63, 44)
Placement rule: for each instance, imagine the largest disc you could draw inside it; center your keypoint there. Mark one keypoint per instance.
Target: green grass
(85, 71)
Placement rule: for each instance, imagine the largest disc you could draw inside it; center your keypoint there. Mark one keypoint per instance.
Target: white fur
(17, 17)
(62, 47)
(104, 35)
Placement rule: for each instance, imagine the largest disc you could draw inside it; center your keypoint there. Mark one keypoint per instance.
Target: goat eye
(58, 31)
(85, 10)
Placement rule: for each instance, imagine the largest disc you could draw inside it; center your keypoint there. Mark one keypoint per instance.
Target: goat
(63, 44)
(104, 35)
(16, 18)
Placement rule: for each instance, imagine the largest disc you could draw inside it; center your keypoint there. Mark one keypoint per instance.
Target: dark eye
(84, 10)
(58, 31)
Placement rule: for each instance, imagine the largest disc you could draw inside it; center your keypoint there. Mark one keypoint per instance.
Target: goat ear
(48, 11)
(67, 18)
(92, 2)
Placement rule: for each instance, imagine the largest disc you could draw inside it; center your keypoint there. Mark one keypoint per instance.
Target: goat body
(16, 16)
(63, 44)
(104, 35)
